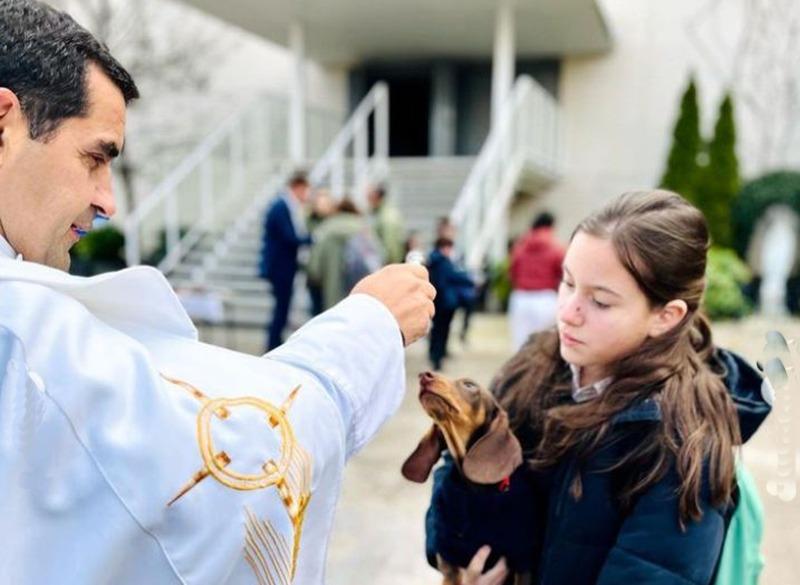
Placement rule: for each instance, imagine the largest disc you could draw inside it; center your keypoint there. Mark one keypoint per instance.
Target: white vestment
(131, 453)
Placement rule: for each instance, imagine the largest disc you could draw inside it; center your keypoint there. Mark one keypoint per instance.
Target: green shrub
(682, 168)
(718, 180)
(104, 244)
(500, 282)
(726, 274)
(781, 187)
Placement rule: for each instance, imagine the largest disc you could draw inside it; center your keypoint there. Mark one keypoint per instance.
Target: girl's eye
(600, 305)
(567, 284)
(470, 385)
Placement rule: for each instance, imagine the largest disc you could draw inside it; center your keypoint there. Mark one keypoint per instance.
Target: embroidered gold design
(290, 474)
(267, 552)
(220, 458)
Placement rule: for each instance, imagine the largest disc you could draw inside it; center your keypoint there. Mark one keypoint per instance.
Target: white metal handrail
(353, 142)
(201, 194)
(525, 137)
(252, 214)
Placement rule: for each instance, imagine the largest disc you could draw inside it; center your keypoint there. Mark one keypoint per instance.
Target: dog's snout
(426, 377)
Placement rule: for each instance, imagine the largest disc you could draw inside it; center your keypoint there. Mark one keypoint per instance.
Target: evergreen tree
(718, 180)
(681, 172)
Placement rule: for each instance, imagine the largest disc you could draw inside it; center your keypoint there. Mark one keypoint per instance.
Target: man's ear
(10, 119)
(667, 317)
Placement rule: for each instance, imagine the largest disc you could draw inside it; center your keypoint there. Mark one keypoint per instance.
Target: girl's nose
(571, 311)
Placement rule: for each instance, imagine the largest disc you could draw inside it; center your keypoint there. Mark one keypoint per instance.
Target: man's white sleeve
(356, 351)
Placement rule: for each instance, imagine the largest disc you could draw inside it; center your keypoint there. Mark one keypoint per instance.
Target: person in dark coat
(627, 413)
(284, 233)
(453, 286)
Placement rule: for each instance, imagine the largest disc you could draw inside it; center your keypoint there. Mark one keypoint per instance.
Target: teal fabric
(742, 561)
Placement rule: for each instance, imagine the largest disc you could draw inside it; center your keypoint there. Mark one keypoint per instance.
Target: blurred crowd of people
(338, 244)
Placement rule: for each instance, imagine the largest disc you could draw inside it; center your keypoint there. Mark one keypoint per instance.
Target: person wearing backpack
(345, 251)
(627, 413)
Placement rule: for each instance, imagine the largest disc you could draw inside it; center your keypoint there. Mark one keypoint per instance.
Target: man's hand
(473, 574)
(406, 292)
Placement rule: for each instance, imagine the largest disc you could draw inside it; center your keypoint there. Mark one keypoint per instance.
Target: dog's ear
(495, 455)
(419, 464)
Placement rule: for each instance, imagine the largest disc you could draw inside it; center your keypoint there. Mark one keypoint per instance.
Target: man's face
(301, 192)
(48, 188)
(374, 199)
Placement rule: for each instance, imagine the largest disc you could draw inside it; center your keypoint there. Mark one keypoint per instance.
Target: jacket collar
(131, 299)
(750, 392)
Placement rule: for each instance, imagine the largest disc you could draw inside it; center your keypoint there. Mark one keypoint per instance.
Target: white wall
(619, 109)
(259, 64)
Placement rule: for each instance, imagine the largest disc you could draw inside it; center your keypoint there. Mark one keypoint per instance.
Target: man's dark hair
(380, 191)
(544, 219)
(347, 205)
(43, 60)
(298, 178)
(443, 243)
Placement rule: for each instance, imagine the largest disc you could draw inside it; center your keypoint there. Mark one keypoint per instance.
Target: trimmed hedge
(781, 187)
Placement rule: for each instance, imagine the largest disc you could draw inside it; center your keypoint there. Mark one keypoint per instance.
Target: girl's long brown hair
(662, 241)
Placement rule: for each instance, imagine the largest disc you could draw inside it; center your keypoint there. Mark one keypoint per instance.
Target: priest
(130, 452)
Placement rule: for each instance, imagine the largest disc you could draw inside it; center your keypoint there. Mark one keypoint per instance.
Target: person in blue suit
(284, 233)
(627, 413)
(454, 289)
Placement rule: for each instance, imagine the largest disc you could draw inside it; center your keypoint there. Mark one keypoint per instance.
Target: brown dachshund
(468, 422)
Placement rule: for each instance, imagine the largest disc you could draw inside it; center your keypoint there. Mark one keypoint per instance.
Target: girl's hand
(473, 574)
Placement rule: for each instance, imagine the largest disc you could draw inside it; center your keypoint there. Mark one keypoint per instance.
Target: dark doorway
(409, 107)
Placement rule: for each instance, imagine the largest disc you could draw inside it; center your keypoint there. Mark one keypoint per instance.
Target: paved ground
(378, 536)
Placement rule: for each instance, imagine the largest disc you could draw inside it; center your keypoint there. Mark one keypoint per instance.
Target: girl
(627, 413)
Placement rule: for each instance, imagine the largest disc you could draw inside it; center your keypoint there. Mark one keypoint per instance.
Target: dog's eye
(470, 385)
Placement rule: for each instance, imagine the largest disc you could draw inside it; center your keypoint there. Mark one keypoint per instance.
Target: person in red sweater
(535, 274)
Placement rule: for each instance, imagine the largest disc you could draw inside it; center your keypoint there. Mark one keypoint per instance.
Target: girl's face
(602, 313)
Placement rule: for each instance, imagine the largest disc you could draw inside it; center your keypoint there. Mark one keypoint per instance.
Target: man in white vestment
(130, 452)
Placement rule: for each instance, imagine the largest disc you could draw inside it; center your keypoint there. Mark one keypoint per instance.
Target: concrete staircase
(424, 189)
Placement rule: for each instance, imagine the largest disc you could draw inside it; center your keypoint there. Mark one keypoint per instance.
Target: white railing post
(360, 164)
(522, 135)
(171, 224)
(354, 137)
(207, 193)
(337, 178)
(382, 127)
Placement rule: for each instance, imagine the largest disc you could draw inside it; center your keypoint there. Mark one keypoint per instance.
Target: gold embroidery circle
(273, 472)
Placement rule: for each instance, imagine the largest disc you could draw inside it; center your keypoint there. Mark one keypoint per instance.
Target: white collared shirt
(588, 392)
(7, 251)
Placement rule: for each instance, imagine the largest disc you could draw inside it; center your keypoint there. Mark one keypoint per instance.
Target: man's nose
(104, 200)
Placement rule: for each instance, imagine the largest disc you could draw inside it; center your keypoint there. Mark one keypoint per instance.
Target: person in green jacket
(388, 225)
(339, 236)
